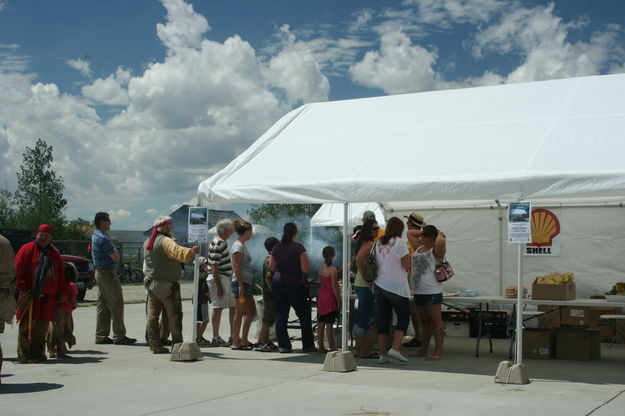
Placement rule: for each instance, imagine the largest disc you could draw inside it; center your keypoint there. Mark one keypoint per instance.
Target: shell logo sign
(545, 227)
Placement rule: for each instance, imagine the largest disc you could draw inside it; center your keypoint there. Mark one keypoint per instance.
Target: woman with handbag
(427, 289)
(364, 313)
(391, 289)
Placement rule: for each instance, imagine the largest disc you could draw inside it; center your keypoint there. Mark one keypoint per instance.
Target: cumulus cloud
(398, 66)
(296, 71)
(184, 117)
(81, 65)
(110, 90)
(543, 41)
(119, 214)
(184, 27)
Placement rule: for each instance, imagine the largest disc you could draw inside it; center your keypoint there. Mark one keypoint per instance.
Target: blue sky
(143, 99)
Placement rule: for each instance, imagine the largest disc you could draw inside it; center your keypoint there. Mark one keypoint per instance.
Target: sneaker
(413, 343)
(219, 342)
(285, 350)
(272, 346)
(124, 341)
(105, 340)
(384, 359)
(202, 341)
(396, 355)
(309, 349)
(229, 341)
(159, 350)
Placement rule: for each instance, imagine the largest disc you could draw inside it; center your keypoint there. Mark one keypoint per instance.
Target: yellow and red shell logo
(545, 226)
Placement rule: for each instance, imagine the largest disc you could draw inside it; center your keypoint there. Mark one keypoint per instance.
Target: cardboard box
(551, 319)
(574, 315)
(577, 344)
(457, 329)
(553, 292)
(539, 343)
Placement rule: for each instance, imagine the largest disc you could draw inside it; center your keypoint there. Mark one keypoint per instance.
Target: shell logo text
(545, 226)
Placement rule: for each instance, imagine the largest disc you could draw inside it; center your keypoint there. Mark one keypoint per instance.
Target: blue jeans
(387, 302)
(364, 314)
(286, 296)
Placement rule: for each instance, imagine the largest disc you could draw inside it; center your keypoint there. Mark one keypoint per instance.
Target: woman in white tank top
(428, 292)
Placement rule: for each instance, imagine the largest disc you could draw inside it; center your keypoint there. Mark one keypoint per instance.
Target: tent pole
(501, 290)
(345, 292)
(519, 310)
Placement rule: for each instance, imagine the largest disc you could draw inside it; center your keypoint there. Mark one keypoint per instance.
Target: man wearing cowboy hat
(42, 285)
(110, 307)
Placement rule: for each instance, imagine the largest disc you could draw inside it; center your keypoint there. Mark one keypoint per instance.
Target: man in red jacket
(41, 283)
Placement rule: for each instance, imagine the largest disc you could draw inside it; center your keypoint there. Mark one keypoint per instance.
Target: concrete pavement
(128, 380)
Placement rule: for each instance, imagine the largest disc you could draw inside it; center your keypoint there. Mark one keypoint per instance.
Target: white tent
(559, 138)
(551, 139)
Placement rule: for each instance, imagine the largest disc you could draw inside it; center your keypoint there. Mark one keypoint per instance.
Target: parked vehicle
(86, 273)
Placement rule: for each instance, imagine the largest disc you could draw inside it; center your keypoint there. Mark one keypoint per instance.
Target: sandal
(374, 355)
(242, 348)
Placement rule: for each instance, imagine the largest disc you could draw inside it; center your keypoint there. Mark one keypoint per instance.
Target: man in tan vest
(163, 273)
(7, 286)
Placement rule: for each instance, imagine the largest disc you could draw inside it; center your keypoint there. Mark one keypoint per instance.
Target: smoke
(314, 240)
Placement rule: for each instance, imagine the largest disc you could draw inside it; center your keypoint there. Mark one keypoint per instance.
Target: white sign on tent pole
(198, 224)
(519, 222)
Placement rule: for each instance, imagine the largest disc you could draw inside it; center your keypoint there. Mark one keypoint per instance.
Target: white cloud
(119, 214)
(542, 40)
(151, 211)
(11, 60)
(297, 72)
(110, 90)
(184, 28)
(398, 66)
(81, 65)
(445, 12)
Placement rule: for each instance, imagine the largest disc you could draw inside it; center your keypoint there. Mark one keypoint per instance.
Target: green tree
(7, 210)
(39, 196)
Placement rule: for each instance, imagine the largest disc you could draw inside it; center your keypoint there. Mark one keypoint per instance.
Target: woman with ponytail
(242, 287)
(289, 261)
(328, 299)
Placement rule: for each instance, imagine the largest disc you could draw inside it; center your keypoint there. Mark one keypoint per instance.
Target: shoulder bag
(443, 271)
(370, 269)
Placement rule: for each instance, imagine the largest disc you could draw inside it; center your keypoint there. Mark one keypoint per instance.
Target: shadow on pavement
(28, 387)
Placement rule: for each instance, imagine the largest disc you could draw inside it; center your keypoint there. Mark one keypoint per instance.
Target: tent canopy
(331, 215)
(550, 139)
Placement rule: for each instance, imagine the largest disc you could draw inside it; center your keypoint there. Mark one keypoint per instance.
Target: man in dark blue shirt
(110, 296)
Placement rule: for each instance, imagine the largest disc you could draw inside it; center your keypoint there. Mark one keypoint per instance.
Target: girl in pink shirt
(327, 300)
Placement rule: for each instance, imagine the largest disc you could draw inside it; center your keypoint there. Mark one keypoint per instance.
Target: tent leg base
(185, 351)
(509, 373)
(339, 361)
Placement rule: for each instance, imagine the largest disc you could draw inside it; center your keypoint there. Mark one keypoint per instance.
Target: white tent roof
(331, 215)
(561, 138)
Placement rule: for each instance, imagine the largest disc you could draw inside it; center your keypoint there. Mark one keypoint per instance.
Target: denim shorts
(249, 290)
(426, 300)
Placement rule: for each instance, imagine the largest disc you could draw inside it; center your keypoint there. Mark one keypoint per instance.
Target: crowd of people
(405, 288)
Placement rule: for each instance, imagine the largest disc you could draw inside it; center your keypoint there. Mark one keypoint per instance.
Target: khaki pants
(110, 304)
(164, 296)
(33, 348)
